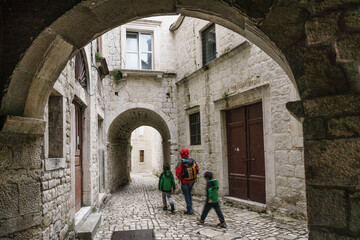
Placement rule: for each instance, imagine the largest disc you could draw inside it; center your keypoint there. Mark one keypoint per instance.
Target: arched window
(81, 69)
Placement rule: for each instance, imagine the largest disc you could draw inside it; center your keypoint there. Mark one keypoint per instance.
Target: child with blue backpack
(166, 185)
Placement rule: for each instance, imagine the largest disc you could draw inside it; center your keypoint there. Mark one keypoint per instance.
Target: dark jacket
(166, 181)
(212, 188)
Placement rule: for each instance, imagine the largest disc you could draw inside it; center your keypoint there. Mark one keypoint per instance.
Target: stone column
(21, 154)
(332, 164)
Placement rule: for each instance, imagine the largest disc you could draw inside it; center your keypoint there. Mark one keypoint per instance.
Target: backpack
(189, 170)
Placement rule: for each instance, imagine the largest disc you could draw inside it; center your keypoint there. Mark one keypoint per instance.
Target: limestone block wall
(21, 156)
(241, 75)
(143, 92)
(58, 172)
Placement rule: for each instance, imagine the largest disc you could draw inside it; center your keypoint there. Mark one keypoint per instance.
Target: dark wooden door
(78, 157)
(246, 153)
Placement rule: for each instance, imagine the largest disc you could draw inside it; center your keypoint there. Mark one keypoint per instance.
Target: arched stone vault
(315, 37)
(119, 134)
(317, 40)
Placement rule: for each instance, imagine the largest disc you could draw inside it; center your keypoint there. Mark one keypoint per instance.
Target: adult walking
(186, 171)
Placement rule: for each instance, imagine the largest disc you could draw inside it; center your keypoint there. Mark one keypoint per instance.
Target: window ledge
(145, 73)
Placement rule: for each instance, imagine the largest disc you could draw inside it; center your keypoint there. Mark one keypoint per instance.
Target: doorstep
(81, 216)
(258, 207)
(88, 229)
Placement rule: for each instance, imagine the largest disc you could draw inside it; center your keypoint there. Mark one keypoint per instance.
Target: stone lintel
(54, 163)
(16, 124)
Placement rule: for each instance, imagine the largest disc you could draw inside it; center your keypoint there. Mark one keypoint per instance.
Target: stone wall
(58, 173)
(244, 75)
(21, 157)
(331, 139)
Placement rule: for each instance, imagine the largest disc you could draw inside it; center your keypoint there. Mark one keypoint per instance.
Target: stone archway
(119, 133)
(319, 39)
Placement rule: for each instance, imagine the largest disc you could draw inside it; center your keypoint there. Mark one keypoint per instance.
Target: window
(195, 135)
(139, 51)
(208, 40)
(56, 126)
(141, 155)
(99, 45)
(80, 69)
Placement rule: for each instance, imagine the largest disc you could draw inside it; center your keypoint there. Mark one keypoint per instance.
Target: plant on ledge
(117, 74)
(98, 57)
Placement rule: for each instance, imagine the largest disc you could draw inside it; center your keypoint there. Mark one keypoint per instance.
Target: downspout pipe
(173, 27)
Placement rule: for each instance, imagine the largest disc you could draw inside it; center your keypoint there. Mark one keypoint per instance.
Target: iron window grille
(195, 134)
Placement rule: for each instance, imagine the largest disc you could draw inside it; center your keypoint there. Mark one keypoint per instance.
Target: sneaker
(165, 208)
(222, 225)
(200, 221)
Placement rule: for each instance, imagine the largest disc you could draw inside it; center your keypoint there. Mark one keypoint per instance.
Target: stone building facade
(241, 72)
(60, 177)
(240, 75)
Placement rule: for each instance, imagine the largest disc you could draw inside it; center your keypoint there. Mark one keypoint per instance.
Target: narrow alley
(139, 206)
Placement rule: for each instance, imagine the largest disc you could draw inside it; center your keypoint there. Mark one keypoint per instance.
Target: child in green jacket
(166, 184)
(212, 200)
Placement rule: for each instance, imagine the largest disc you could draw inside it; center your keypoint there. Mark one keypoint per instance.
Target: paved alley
(139, 206)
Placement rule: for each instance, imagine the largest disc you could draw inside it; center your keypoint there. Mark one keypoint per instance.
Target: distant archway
(119, 133)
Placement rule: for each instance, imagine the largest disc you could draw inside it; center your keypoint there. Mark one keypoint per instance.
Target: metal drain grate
(147, 234)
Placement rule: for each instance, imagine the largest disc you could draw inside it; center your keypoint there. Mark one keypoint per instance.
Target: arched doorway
(119, 147)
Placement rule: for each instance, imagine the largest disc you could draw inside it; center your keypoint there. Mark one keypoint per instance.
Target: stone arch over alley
(119, 133)
(318, 40)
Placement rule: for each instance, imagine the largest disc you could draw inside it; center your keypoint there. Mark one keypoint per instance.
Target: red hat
(184, 153)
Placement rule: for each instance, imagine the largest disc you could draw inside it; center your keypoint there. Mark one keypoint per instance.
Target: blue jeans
(207, 208)
(186, 188)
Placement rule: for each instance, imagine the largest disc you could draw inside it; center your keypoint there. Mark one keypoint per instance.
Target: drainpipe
(173, 27)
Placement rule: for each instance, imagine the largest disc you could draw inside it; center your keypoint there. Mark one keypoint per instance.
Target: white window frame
(142, 26)
(140, 51)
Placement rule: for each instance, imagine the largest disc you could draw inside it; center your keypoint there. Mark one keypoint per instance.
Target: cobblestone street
(139, 206)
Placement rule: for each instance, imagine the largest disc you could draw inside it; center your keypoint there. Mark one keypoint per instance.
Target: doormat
(146, 234)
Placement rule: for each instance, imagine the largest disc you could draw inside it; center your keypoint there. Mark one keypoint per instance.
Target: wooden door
(246, 153)
(78, 157)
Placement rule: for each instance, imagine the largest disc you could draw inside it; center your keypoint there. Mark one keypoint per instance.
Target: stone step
(88, 228)
(255, 206)
(81, 216)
